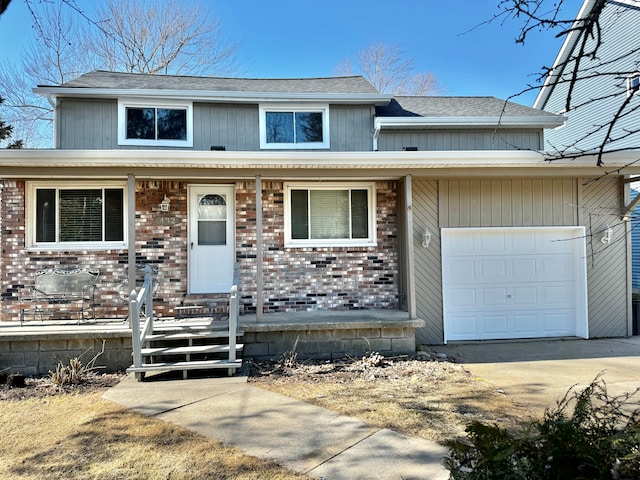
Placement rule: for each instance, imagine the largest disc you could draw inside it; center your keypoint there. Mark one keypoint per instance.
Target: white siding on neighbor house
(526, 202)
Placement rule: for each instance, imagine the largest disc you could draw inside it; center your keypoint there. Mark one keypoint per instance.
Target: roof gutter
(532, 121)
(214, 96)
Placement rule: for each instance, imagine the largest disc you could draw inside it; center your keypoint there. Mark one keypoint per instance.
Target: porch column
(409, 257)
(259, 251)
(131, 231)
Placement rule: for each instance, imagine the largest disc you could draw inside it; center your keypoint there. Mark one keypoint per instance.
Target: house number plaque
(165, 221)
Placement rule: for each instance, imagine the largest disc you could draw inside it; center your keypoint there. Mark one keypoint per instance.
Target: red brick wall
(294, 279)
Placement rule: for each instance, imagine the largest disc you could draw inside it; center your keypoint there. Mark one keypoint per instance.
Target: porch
(38, 346)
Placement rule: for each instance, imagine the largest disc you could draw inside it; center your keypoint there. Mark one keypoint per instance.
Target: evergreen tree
(6, 131)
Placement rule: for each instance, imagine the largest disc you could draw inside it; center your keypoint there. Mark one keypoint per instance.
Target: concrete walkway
(539, 372)
(300, 436)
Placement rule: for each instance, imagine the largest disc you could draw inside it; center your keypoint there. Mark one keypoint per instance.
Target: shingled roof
(134, 81)
(455, 107)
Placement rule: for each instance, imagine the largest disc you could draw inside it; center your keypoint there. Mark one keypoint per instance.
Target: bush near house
(588, 435)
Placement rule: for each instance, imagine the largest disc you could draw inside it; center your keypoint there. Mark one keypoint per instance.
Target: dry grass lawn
(78, 435)
(419, 396)
(82, 436)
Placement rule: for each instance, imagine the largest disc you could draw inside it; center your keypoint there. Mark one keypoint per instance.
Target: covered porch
(37, 346)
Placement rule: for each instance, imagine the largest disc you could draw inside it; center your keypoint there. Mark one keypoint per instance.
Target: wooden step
(186, 350)
(196, 365)
(187, 335)
(191, 327)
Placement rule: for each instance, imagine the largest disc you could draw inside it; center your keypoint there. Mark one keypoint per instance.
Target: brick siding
(295, 279)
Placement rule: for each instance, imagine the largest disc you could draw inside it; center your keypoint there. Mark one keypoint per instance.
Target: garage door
(501, 283)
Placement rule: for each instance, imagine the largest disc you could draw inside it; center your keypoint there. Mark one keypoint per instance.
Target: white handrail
(142, 298)
(234, 307)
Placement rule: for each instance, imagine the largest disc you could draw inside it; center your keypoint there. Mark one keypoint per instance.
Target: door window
(212, 220)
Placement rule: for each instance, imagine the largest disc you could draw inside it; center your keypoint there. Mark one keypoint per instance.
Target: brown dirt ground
(41, 387)
(421, 395)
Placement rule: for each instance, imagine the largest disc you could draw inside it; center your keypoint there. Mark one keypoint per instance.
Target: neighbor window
(294, 127)
(140, 123)
(330, 215)
(80, 216)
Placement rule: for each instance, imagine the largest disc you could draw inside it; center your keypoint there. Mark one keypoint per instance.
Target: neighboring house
(601, 85)
(329, 196)
(635, 244)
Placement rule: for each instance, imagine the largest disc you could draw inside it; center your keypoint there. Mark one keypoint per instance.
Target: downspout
(376, 134)
(55, 119)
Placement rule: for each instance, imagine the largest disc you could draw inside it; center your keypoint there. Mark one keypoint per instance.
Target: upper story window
(329, 214)
(163, 124)
(294, 126)
(86, 215)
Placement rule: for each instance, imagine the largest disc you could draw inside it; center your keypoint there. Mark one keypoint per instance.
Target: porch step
(187, 350)
(190, 335)
(195, 365)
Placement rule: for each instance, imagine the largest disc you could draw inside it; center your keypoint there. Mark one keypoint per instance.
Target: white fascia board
(532, 121)
(29, 161)
(215, 96)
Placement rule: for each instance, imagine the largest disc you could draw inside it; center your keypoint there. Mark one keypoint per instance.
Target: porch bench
(59, 286)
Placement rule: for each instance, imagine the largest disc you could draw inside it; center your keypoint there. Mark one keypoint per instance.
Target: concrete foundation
(36, 348)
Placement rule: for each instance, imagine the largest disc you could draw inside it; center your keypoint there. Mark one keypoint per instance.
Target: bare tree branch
(389, 70)
(142, 36)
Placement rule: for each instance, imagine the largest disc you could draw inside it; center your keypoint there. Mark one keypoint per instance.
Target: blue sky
(298, 38)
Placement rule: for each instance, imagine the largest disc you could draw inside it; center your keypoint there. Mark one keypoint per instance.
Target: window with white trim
(66, 215)
(333, 214)
(291, 126)
(164, 124)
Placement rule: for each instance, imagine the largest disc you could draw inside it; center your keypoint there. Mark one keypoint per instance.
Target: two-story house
(439, 213)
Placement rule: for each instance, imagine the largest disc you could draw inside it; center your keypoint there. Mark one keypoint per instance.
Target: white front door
(501, 283)
(211, 238)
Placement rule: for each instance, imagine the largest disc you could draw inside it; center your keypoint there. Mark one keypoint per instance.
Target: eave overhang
(200, 164)
(215, 96)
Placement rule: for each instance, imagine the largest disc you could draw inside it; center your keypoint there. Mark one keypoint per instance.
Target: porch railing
(234, 311)
(141, 318)
(141, 301)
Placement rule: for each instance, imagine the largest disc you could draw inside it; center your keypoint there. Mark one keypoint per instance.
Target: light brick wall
(294, 279)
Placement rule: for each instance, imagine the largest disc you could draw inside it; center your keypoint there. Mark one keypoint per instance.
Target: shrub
(588, 435)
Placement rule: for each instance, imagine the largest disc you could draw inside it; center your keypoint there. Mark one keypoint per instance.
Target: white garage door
(501, 283)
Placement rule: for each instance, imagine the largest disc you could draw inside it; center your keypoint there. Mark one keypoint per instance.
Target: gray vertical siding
(234, 126)
(351, 128)
(93, 124)
(606, 264)
(461, 139)
(87, 124)
(508, 202)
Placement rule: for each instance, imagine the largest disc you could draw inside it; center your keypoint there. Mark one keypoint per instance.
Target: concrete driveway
(539, 372)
